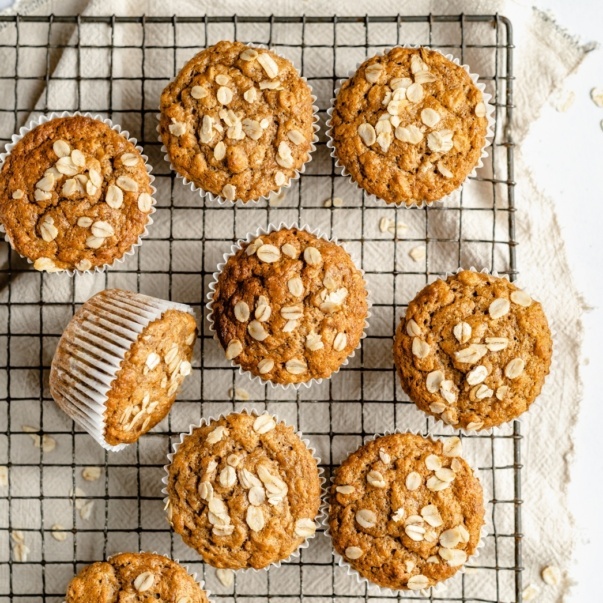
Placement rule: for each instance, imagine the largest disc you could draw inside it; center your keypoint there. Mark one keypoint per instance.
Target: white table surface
(565, 151)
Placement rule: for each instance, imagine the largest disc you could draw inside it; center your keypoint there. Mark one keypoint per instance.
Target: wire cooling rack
(117, 67)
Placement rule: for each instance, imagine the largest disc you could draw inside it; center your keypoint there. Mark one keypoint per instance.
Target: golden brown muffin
(409, 126)
(135, 577)
(237, 121)
(74, 195)
(243, 491)
(150, 373)
(473, 350)
(405, 511)
(289, 307)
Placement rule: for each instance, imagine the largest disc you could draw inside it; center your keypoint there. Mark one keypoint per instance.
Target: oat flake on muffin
(74, 195)
(243, 491)
(237, 121)
(406, 512)
(409, 126)
(473, 350)
(289, 306)
(135, 577)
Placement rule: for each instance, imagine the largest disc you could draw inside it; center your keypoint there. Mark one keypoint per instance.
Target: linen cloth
(544, 56)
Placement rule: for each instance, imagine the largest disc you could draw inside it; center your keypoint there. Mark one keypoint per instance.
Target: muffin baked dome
(243, 491)
(74, 195)
(135, 577)
(406, 512)
(473, 350)
(409, 126)
(289, 306)
(237, 121)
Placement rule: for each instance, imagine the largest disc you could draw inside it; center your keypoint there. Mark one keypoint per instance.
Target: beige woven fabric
(544, 56)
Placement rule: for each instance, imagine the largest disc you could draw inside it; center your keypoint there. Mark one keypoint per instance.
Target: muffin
(75, 194)
(120, 363)
(289, 306)
(243, 491)
(237, 122)
(406, 512)
(409, 126)
(473, 350)
(135, 577)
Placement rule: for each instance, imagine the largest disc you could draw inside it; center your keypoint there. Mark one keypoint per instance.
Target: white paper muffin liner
(96, 349)
(386, 592)
(452, 196)
(261, 231)
(450, 430)
(320, 516)
(193, 575)
(223, 201)
(33, 123)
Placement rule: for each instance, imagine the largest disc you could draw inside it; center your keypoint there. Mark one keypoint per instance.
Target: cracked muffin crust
(409, 126)
(243, 491)
(473, 350)
(289, 307)
(135, 577)
(150, 373)
(74, 195)
(237, 121)
(406, 512)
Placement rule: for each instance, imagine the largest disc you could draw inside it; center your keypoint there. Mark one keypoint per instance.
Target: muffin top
(243, 491)
(74, 194)
(473, 350)
(405, 511)
(289, 306)
(135, 577)
(237, 121)
(409, 126)
(152, 369)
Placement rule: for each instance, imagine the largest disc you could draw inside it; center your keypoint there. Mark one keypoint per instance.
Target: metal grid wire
(120, 74)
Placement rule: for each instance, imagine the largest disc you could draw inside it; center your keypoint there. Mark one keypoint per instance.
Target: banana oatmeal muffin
(473, 350)
(120, 363)
(406, 512)
(74, 195)
(237, 121)
(243, 491)
(289, 306)
(409, 126)
(135, 577)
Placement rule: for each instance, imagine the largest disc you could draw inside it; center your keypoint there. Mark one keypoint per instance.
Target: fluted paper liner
(487, 139)
(96, 346)
(318, 520)
(33, 123)
(444, 427)
(220, 199)
(237, 247)
(387, 592)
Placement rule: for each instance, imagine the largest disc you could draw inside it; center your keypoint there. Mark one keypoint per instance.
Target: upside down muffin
(409, 126)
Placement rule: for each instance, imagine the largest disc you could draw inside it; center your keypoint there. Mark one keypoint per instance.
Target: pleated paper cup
(193, 575)
(386, 592)
(439, 423)
(233, 251)
(32, 124)
(91, 350)
(455, 194)
(318, 520)
(220, 199)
